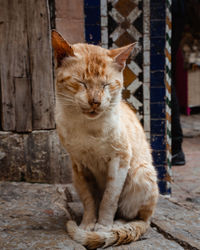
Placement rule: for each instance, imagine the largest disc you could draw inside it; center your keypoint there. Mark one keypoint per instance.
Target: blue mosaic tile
(158, 127)
(158, 46)
(157, 94)
(93, 34)
(161, 172)
(157, 62)
(157, 28)
(159, 157)
(157, 79)
(92, 16)
(157, 11)
(153, 2)
(158, 142)
(162, 187)
(157, 110)
(92, 3)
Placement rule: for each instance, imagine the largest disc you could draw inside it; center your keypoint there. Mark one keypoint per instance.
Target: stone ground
(33, 216)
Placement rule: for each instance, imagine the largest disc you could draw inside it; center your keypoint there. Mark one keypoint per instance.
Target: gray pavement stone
(152, 240)
(178, 222)
(33, 216)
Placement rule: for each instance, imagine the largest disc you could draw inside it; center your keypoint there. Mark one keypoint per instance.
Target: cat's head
(89, 79)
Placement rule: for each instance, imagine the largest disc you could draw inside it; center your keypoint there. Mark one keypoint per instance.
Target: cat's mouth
(91, 114)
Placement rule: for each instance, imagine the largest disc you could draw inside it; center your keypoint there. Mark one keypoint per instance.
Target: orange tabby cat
(112, 165)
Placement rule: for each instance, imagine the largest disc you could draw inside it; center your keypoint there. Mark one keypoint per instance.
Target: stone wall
(69, 20)
(33, 157)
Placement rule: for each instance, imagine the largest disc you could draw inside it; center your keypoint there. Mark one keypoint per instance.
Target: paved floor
(33, 216)
(186, 179)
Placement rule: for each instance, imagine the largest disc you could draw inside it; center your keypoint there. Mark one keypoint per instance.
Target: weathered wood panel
(25, 52)
(23, 105)
(38, 23)
(13, 56)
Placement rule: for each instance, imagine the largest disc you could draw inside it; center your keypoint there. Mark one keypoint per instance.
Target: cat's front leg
(117, 173)
(82, 186)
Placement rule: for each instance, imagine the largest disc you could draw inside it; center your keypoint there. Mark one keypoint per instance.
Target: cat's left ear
(120, 55)
(61, 47)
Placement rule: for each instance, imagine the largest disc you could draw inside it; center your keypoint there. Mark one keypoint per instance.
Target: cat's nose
(94, 103)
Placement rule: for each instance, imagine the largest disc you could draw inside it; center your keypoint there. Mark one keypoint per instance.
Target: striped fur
(120, 234)
(111, 158)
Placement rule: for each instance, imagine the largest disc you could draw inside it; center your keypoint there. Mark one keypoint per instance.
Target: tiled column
(92, 21)
(158, 92)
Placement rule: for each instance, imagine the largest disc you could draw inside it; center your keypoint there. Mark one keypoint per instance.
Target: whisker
(59, 93)
(65, 101)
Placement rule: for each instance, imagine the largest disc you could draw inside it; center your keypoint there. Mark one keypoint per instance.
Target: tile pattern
(120, 22)
(124, 25)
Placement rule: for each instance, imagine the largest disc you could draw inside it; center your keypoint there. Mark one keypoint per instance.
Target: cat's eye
(105, 85)
(83, 84)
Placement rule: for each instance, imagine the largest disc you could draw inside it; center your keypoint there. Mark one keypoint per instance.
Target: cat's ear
(62, 48)
(120, 55)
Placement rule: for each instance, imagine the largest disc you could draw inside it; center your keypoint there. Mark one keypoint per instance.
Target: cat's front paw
(87, 227)
(101, 228)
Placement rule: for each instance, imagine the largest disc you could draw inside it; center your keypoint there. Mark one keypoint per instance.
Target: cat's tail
(122, 234)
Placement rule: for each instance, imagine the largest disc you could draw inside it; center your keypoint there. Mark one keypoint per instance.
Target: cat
(111, 158)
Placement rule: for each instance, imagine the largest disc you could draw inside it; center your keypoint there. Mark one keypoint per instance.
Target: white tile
(146, 42)
(135, 102)
(146, 74)
(146, 106)
(135, 68)
(104, 21)
(116, 16)
(135, 13)
(104, 8)
(104, 35)
(147, 133)
(134, 85)
(146, 8)
(117, 33)
(146, 122)
(134, 33)
(146, 92)
(146, 59)
(146, 24)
